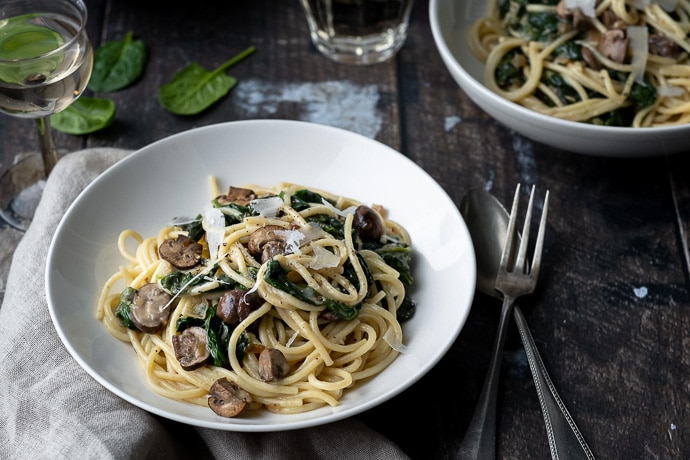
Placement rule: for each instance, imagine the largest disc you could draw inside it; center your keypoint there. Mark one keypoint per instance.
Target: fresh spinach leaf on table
(117, 64)
(194, 89)
(84, 116)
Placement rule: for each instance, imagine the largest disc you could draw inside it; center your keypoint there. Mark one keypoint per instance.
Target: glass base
(371, 49)
(21, 188)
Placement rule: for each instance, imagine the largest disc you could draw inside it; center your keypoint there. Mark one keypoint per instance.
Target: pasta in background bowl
(451, 22)
(170, 178)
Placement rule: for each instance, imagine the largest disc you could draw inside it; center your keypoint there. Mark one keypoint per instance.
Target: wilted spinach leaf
(276, 276)
(117, 63)
(124, 307)
(406, 310)
(301, 199)
(194, 89)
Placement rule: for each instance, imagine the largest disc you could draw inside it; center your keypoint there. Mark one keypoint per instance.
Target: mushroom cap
(238, 195)
(191, 348)
(368, 223)
(150, 308)
(272, 365)
(182, 252)
(261, 236)
(226, 398)
(235, 305)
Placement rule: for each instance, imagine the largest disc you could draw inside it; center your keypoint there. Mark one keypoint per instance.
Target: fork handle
(565, 440)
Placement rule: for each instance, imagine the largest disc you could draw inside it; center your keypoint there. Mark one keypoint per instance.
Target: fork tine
(539, 245)
(506, 256)
(520, 262)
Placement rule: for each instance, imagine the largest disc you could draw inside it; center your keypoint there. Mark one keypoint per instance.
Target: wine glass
(46, 60)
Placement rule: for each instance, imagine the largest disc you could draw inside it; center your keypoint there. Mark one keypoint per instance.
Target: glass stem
(48, 150)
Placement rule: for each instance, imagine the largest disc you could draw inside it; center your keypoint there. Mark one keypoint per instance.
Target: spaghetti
(609, 62)
(284, 297)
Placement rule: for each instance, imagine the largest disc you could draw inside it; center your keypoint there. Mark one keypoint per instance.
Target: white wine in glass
(46, 60)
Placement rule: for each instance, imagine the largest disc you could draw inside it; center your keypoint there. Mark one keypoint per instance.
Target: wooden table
(611, 315)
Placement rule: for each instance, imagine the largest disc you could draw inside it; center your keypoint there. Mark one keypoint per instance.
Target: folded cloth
(51, 408)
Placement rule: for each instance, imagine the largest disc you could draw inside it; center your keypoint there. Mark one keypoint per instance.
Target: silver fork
(515, 278)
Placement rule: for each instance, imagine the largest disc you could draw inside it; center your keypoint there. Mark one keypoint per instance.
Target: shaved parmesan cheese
(252, 290)
(341, 213)
(182, 220)
(311, 233)
(586, 6)
(669, 91)
(293, 240)
(292, 339)
(323, 258)
(638, 42)
(390, 338)
(267, 207)
(214, 225)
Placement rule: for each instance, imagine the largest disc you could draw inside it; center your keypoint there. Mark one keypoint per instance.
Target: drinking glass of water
(46, 60)
(358, 31)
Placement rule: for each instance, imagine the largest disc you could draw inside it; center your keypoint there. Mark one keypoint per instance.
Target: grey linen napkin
(51, 408)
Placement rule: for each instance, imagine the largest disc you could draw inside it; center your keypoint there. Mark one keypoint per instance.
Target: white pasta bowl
(170, 178)
(450, 23)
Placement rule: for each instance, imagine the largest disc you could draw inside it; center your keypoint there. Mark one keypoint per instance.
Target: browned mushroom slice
(267, 242)
(590, 59)
(660, 45)
(238, 195)
(272, 365)
(150, 308)
(191, 348)
(614, 45)
(235, 305)
(368, 223)
(272, 249)
(226, 398)
(182, 252)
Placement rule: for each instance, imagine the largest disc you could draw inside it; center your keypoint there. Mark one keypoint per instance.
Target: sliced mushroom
(238, 195)
(272, 365)
(614, 45)
(226, 398)
(182, 252)
(579, 20)
(368, 223)
(611, 20)
(267, 242)
(150, 308)
(272, 248)
(563, 11)
(235, 305)
(191, 348)
(661, 45)
(590, 59)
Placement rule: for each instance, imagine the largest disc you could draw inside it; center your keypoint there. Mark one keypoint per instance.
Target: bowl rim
(466, 78)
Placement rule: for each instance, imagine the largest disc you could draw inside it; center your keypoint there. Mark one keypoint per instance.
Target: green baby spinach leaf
(194, 89)
(84, 116)
(117, 64)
